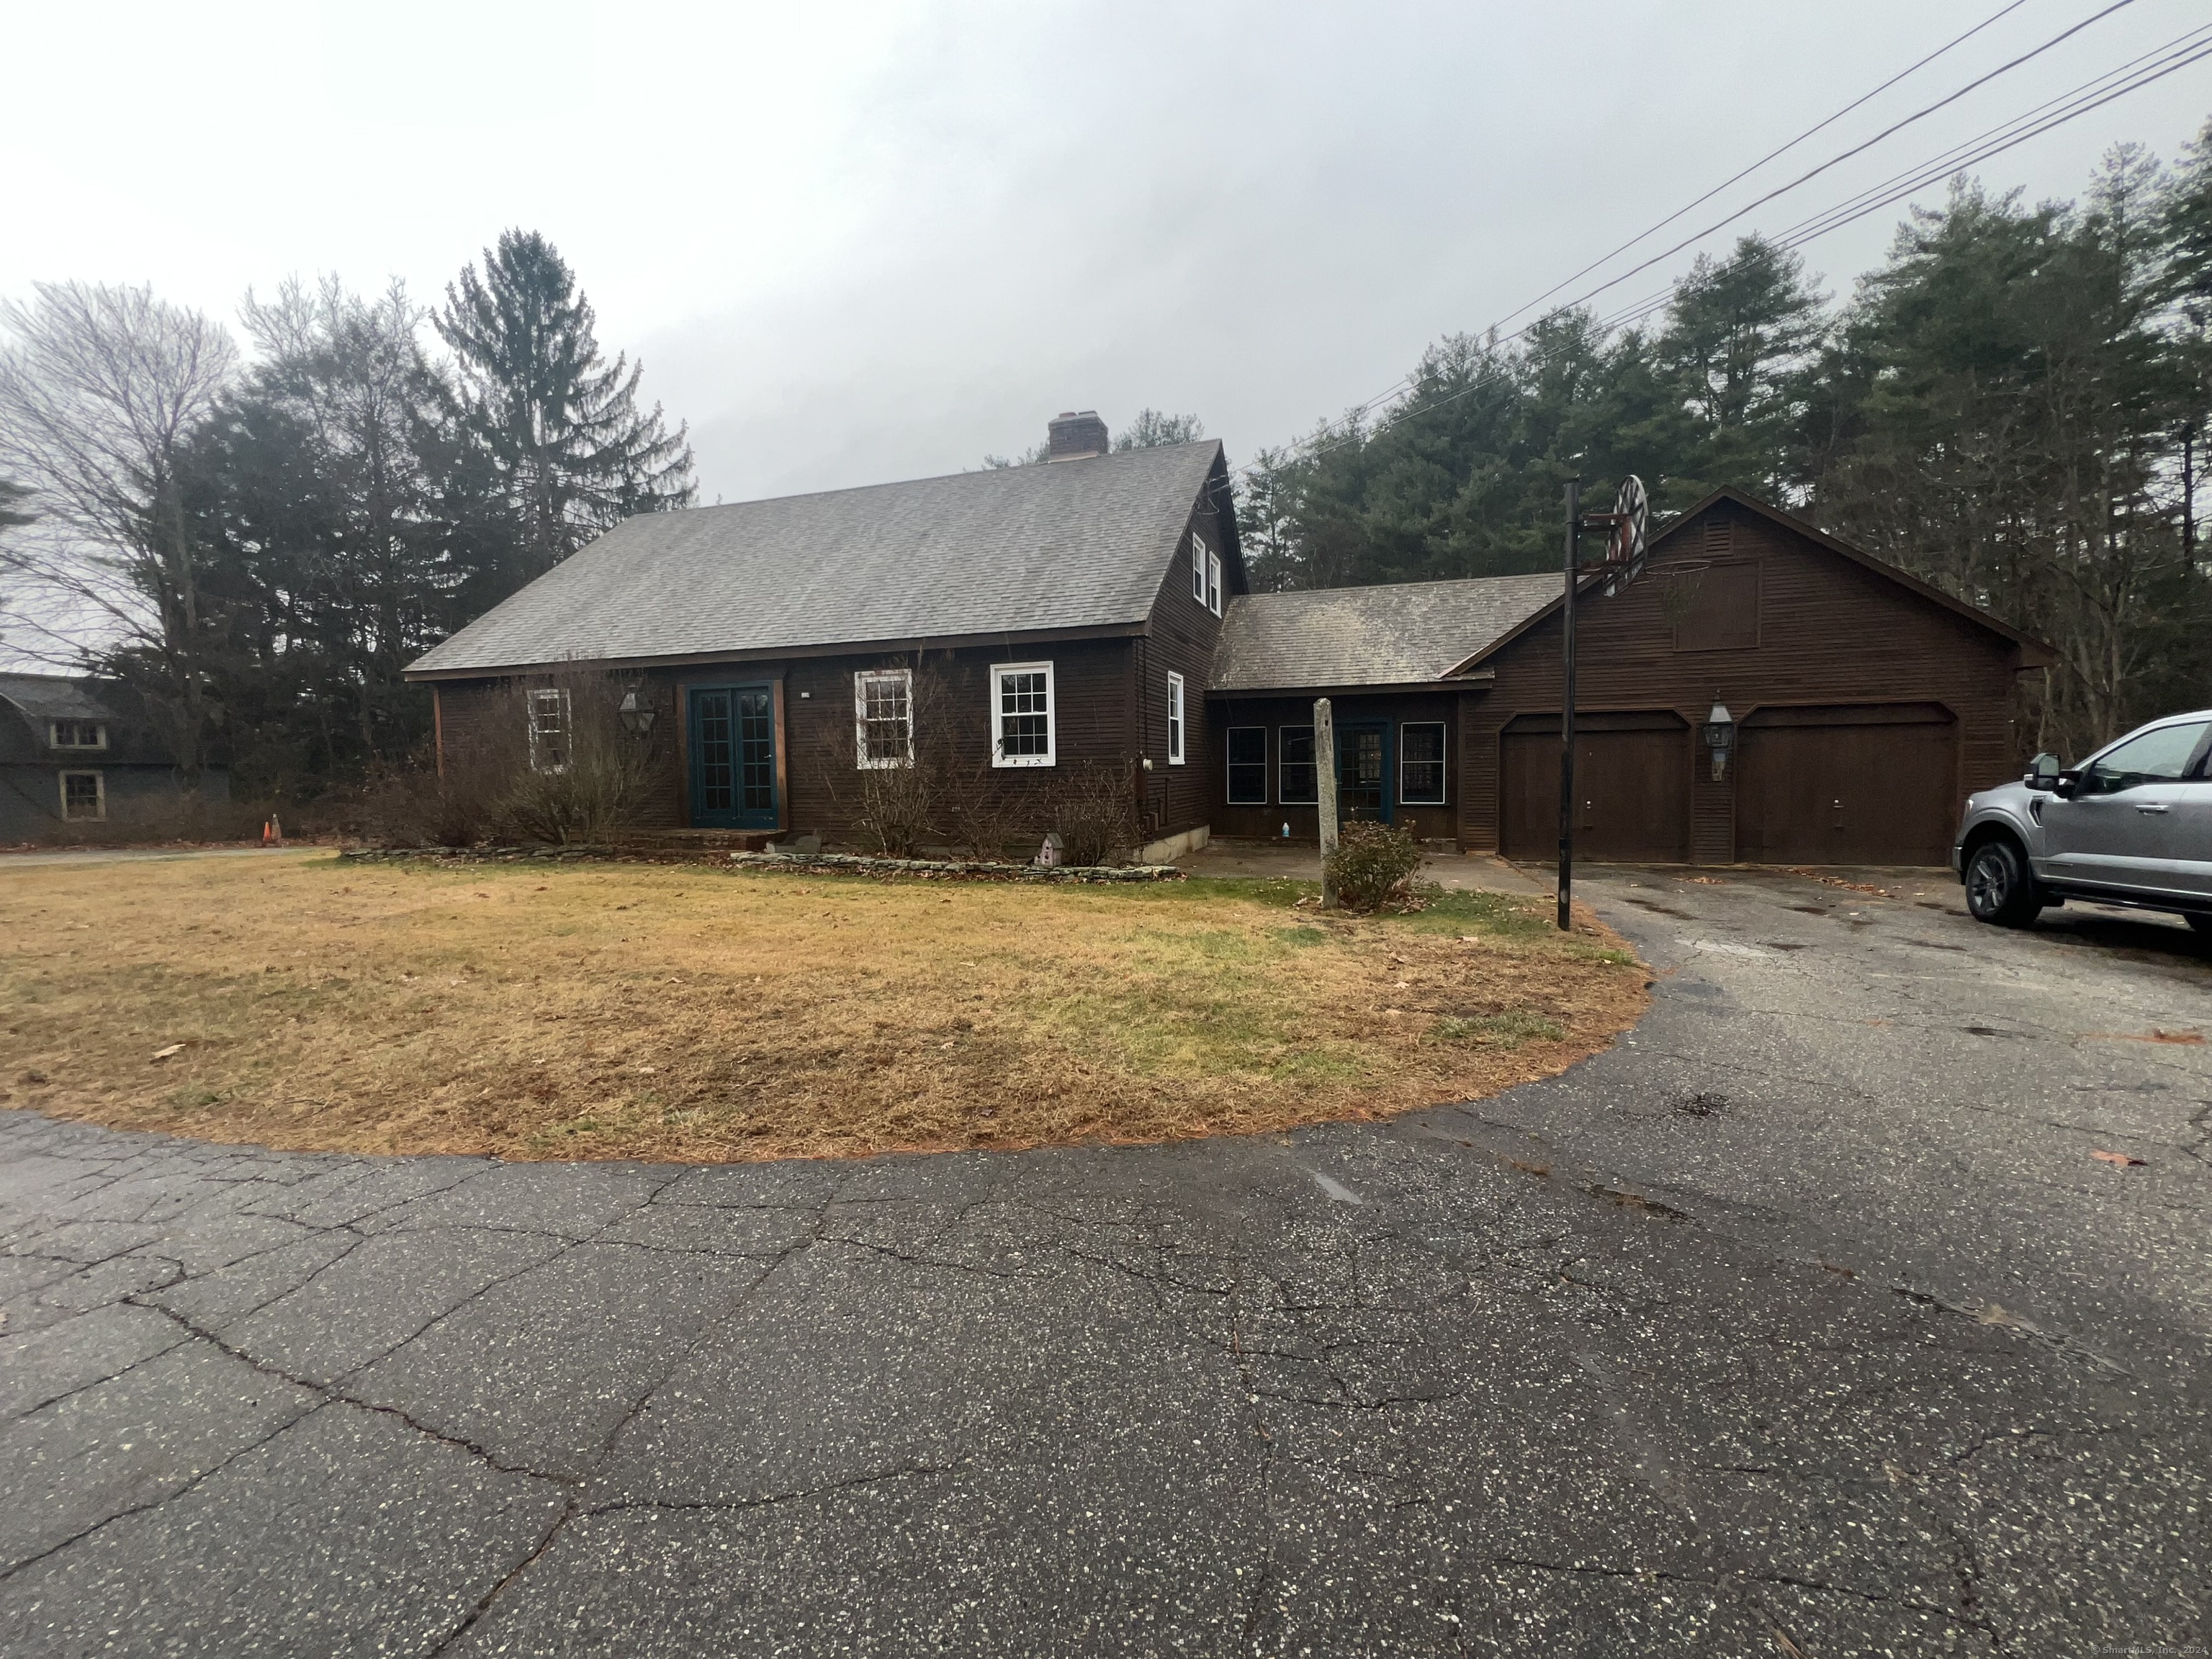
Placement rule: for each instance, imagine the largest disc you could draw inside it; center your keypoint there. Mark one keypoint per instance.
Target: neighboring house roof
(1063, 545)
(54, 698)
(1405, 633)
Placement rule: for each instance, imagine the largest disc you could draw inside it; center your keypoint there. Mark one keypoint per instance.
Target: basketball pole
(1567, 707)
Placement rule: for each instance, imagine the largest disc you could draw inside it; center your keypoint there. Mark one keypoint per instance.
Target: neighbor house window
(1300, 783)
(1175, 719)
(1213, 583)
(1021, 714)
(1248, 766)
(1197, 570)
(84, 795)
(883, 717)
(549, 730)
(1421, 764)
(78, 734)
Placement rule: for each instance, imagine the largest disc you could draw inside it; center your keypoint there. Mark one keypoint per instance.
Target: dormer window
(78, 734)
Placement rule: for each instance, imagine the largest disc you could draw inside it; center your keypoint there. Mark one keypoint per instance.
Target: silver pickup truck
(2130, 825)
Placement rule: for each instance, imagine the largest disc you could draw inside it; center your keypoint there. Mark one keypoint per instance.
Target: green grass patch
(1501, 1031)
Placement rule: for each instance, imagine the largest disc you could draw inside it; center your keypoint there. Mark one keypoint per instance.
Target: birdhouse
(1048, 855)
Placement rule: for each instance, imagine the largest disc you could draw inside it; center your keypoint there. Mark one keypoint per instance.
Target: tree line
(261, 546)
(2013, 405)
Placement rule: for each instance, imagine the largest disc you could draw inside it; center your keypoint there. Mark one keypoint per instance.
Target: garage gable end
(1863, 705)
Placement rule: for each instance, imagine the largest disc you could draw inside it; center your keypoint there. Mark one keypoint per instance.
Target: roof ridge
(978, 472)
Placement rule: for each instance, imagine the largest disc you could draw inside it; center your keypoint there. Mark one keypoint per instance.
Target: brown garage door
(1861, 785)
(1631, 781)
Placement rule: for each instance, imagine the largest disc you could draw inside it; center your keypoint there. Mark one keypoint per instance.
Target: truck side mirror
(2042, 772)
(2068, 784)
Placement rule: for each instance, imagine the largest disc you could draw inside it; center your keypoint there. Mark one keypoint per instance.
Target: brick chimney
(1077, 434)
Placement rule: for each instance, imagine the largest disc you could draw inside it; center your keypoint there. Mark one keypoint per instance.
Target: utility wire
(1770, 155)
(2176, 55)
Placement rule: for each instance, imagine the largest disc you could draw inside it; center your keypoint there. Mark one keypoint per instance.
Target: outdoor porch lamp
(1720, 738)
(636, 713)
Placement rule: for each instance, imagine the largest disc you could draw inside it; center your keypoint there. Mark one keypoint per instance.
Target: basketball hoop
(1623, 548)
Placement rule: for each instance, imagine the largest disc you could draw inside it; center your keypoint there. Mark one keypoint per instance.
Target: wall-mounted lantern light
(1720, 738)
(636, 713)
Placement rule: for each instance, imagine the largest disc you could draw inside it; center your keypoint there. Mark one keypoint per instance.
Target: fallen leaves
(2123, 1159)
(2189, 1038)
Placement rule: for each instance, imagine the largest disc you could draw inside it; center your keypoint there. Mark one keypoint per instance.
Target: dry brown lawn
(697, 1013)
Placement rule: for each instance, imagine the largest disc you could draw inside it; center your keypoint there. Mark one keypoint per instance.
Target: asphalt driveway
(1805, 1322)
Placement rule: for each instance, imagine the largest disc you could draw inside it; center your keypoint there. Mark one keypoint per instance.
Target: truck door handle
(2149, 806)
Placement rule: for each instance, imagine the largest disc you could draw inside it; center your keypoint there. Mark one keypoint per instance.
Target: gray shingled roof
(1065, 545)
(54, 697)
(1405, 634)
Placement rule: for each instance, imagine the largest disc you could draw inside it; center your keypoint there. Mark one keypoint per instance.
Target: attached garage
(1631, 786)
(1849, 784)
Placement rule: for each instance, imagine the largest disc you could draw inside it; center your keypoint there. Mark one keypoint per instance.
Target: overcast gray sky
(867, 242)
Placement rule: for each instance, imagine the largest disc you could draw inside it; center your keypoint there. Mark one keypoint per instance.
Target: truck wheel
(1999, 888)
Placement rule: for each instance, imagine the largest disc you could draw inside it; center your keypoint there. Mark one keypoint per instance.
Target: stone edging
(863, 865)
(827, 863)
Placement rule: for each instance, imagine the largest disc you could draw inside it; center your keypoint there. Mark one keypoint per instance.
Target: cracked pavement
(1801, 1322)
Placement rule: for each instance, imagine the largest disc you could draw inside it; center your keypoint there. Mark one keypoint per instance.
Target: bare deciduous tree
(101, 390)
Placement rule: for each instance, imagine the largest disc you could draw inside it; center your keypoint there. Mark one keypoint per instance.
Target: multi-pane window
(549, 730)
(1421, 764)
(1021, 714)
(84, 795)
(1248, 765)
(1197, 568)
(1213, 583)
(1298, 782)
(1175, 719)
(883, 717)
(79, 734)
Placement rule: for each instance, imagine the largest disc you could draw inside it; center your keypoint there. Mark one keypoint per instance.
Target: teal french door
(733, 744)
(1362, 771)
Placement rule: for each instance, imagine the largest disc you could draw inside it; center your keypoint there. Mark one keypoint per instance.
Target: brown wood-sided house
(1065, 614)
(1865, 704)
(1091, 612)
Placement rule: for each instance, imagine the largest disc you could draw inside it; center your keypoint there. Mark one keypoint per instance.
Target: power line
(2176, 55)
(1405, 383)
(1860, 148)
(1770, 155)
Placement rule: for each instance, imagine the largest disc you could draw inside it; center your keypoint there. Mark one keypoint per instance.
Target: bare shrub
(1094, 809)
(565, 770)
(1371, 864)
(179, 818)
(892, 805)
(414, 806)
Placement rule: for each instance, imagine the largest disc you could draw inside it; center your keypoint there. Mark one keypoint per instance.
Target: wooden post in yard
(1325, 782)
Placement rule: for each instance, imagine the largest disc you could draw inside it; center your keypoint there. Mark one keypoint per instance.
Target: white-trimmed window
(1197, 567)
(1248, 765)
(1021, 714)
(1297, 776)
(549, 729)
(76, 734)
(1213, 582)
(1421, 764)
(883, 717)
(84, 795)
(1175, 719)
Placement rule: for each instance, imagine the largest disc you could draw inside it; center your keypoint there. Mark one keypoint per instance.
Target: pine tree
(543, 418)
